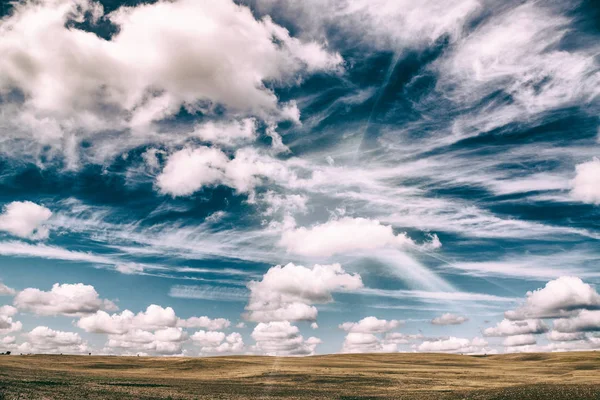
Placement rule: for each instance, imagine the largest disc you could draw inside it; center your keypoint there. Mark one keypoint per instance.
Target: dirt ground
(553, 376)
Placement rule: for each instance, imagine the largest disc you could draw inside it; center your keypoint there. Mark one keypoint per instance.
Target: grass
(353, 376)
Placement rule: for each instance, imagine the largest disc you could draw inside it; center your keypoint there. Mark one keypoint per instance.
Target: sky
(274, 177)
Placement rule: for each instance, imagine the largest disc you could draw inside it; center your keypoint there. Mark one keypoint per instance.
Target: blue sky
(293, 178)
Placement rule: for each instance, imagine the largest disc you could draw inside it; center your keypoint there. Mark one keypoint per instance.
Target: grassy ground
(367, 376)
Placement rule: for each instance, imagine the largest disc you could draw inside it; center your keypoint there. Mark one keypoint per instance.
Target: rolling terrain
(360, 376)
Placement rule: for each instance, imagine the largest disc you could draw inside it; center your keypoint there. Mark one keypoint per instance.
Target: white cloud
(7, 325)
(155, 317)
(189, 170)
(6, 291)
(282, 338)
(370, 325)
(218, 342)
(453, 345)
(556, 336)
(66, 299)
(165, 341)
(584, 321)
(314, 325)
(519, 340)
(341, 236)
(449, 319)
(129, 268)
(585, 187)
(228, 132)
(7, 311)
(511, 328)
(25, 219)
(559, 297)
(240, 325)
(205, 322)
(166, 55)
(45, 340)
(357, 342)
(386, 24)
(288, 292)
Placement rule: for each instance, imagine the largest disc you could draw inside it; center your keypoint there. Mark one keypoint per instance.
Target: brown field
(366, 376)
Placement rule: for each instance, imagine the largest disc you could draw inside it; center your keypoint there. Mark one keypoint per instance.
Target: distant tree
(8, 353)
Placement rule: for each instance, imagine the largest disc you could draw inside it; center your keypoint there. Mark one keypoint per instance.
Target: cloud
(189, 170)
(165, 341)
(45, 340)
(65, 299)
(25, 219)
(559, 297)
(370, 325)
(218, 342)
(282, 338)
(7, 311)
(453, 345)
(341, 235)
(585, 187)
(556, 336)
(512, 328)
(155, 317)
(519, 340)
(314, 325)
(584, 321)
(7, 325)
(6, 291)
(384, 24)
(357, 342)
(226, 133)
(289, 292)
(147, 71)
(129, 268)
(449, 319)
(205, 322)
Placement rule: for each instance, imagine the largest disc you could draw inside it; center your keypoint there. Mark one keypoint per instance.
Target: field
(366, 376)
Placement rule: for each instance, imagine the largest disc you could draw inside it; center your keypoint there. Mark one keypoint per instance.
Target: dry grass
(365, 376)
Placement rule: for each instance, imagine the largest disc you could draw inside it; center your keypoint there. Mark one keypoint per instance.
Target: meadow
(350, 376)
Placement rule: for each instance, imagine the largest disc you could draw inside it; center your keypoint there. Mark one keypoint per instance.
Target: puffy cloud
(585, 187)
(164, 56)
(6, 291)
(556, 336)
(288, 292)
(454, 345)
(45, 340)
(358, 342)
(129, 268)
(228, 132)
(240, 325)
(449, 319)
(559, 297)
(218, 342)
(585, 321)
(205, 322)
(314, 325)
(25, 219)
(189, 170)
(341, 235)
(162, 341)
(512, 328)
(7, 311)
(282, 338)
(519, 340)
(7, 325)
(66, 299)
(370, 325)
(155, 317)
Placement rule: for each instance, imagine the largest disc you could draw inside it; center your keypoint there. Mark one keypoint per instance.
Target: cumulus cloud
(341, 235)
(288, 292)
(512, 328)
(559, 297)
(162, 341)
(155, 317)
(226, 133)
(449, 319)
(66, 299)
(45, 340)
(519, 340)
(584, 321)
(585, 187)
(218, 342)
(282, 338)
(189, 170)
(556, 336)
(205, 322)
(370, 325)
(164, 56)
(453, 345)
(6, 291)
(357, 342)
(25, 220)
(8, 325)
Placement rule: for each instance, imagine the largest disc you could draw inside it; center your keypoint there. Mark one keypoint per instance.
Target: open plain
(362, 376)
